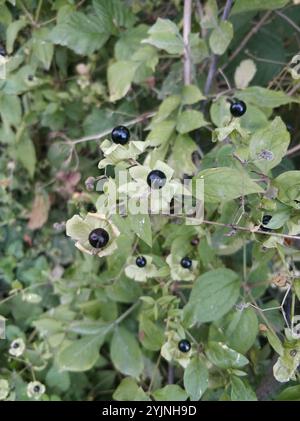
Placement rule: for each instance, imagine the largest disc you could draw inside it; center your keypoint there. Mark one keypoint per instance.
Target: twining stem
(187, 65)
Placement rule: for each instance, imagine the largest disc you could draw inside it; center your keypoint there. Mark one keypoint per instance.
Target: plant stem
(214, 58)
(239, 228)
(98, 136)
(245, 41)
(187, 65)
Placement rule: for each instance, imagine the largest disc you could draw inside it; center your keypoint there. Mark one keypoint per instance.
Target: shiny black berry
(16, 345)
(156, 179)
(98, 238)
(141, 261)
(266, 219)
(238, 108)
(120, 135)
(186, 263)
(36, 389)
(184, 345)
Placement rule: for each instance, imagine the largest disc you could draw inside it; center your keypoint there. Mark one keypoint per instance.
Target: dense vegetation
(149, 306)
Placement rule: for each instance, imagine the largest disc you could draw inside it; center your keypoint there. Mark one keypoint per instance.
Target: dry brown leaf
(39, 212)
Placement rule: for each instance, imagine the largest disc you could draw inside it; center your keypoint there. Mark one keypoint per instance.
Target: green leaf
(166, 108)
(113, 15)
(269, 145)
(263, 97)
(190, 120)
(181, 158)
(25, 153)
(12, 32)
(191, 94)
(291, 393)
(128, 390)
(275, 342)
(81, 33)
(80, 355)
(58, 379)
(242, 330)
(10, 109)
(297, 288)
(195, 378)
(288, 185)
(160, 132)
(125, 353)
(241, 390)
(170, 393)
(42, 49)
(224, 184)
(242, 6)
(222, 356)
(119, 86)
(244, 73)
(153, 335)
(212, 296)
(221, 37)
(165, 35)
(141, 225)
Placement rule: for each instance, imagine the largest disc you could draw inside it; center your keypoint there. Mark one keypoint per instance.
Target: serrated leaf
(113, 15)
(224, 184)
(165, 35)
(195, 378)
(212, 296)
(81, 33)
(221, 37)
(125, 353)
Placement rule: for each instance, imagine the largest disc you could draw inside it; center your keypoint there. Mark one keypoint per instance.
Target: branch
(245, 41)
(214, 58)
(98, 136)
(288, 20)
(187, 65)
(239, 228)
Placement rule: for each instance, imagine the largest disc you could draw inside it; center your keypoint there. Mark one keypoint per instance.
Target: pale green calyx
(79, 229)
(116, 153)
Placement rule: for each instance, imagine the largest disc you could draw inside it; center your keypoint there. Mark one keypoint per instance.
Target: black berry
(184, 345)
(141, 261)
(266, 219)
(16, 345)
(2, 51)
(238, 108)
(30, 78)
(186, 263)
(98, 238)
(156, 179)
(120, 135)
(36, 389)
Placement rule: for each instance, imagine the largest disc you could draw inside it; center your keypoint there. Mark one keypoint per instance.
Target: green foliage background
(76, 69)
